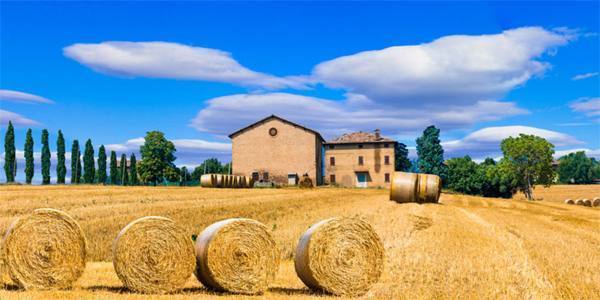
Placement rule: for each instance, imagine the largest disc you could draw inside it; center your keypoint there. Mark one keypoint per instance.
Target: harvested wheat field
(463, 247)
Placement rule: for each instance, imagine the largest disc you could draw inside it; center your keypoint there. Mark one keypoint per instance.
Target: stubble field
(464, 247)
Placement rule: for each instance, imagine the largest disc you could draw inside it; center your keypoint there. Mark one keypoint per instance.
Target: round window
(273, 131)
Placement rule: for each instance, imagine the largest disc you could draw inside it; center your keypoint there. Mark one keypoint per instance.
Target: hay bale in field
(219, 180)
(587, 202)
(579, 201)
(44, 250)
(404, 187)
(429, 188)
(305, 182)
(237, 256)
(596, 202)
(208, 180)
(153, 255)
(342, 256)
(569, 201)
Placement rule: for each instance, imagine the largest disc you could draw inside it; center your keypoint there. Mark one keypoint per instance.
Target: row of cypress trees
(119, 175)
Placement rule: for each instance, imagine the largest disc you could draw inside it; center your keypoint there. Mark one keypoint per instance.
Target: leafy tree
(89, 170)
(401, 159)
(114, 172)
(133, 176)
(431, 153)
(10, 161)
(61, 168)
(157, 157)
(226, 169)
(576, 168)
(45, 158)
(184, 176)
(75, 163)
(28, 157)
(464, 176)
(501, 180)
(530, 158)
(101, 173)
(124, 179)
(172, 174)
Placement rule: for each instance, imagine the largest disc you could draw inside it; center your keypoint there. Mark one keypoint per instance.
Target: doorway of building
(361, 180)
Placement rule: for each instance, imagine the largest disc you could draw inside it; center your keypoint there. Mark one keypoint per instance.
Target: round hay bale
(237, 256)
(218, 180)
(342, 256)
(208, 180)
(596, 202)
(587, 202)
(429, 188)
(569, 201)
(249, 182)
(226, 181)
(44, 250)
(153, 255)
(404, 187)
(579, 201)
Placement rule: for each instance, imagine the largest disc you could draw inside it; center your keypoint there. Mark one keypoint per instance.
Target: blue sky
(111, 71)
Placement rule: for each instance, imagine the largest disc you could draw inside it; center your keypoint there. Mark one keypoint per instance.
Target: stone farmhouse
(281, 151)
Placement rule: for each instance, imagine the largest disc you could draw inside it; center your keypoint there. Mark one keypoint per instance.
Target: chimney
(377, 134)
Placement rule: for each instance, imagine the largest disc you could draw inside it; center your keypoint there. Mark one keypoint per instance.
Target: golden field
(464, 247)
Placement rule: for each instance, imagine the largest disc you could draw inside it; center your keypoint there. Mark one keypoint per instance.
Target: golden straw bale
(596, 202)
(569, 201)
(208, 180)
(429, 188)
(153, 255)
(219, 180)
(579, 201)
(44, 250)
(587, 202)
(404, 187)
(341, 256)
(237, 256)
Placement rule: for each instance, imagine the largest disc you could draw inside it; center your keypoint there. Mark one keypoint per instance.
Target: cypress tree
(28, 157)
(89, 171)
(10, 161)
(431, 153)
(114, 176)
(75, 163)
(123, 170)
(101, 174)
(45, 158)
(61, 168)
(133, 177)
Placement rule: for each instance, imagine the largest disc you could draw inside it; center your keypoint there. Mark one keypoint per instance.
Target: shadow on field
(295, 291)
(112, 289)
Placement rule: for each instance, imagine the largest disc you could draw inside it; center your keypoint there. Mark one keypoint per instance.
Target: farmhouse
(277, 150)
(360, 159)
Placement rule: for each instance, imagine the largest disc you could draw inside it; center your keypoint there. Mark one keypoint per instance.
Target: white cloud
(16, 119)
(584, 76)
(16, 96)
(455, 69)
(172, 60)
(333, 118)
(589, 152)
(588, 106)
(486, 141)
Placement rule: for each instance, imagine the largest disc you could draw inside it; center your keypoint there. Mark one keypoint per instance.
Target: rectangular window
(331, 147)
(360, 146)
(332, 161)
(255, 176)
(266, 176)
(387, 177)
(360, 160)
(386, 145)
(332, 178)
(386, 159)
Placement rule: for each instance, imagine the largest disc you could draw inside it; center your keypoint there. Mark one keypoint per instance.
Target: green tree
(464, 176)
(114, 172)
(172, 174)
(184, 176)
(123, 179)
(501, 179)
(89, 170)
(45, 158)
(530, 157)
(75, 163)
(133, 176)
(10, 161)
(402, 163)
(576, 168)
(61, 168)
(431, 153)
(157, 156)
(101, 173)
(28, 157)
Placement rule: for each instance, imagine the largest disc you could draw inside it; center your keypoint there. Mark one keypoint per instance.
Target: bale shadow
(112, 289)
(296, 291)
(11, 287)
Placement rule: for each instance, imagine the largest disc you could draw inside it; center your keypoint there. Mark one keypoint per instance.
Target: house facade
(360, 159)
(277, 150)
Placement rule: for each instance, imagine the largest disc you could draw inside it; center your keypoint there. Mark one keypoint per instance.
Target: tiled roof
(360, 137)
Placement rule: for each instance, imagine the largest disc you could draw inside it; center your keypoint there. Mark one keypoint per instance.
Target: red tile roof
(360, 137)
